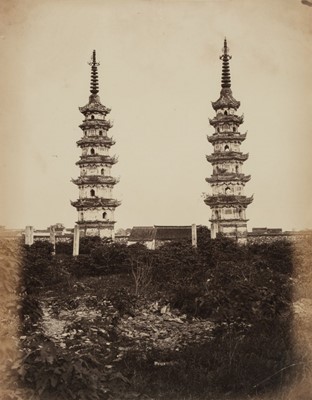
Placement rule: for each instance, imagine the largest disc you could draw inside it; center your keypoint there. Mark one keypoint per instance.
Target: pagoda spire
(226, 76)
(94, 86)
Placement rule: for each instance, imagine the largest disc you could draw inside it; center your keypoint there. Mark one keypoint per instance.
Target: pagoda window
(104, 215)
(218, 129)
(226, 148)
(92, 151)
(85, 133)
(92, 192)
(225, 112)
(92, 116)
(236, 169)
(102, 171)
(100, 133)
(234, 128)
(227, 191)
(81, 216)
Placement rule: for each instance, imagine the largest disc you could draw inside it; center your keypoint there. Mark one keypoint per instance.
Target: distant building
(154, 236)
(227, 202)
(96, 204)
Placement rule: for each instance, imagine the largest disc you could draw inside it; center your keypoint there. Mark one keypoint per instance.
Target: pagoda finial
(94, 86)
(226, 76)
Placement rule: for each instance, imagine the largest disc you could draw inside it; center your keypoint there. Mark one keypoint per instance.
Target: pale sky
(159, 72)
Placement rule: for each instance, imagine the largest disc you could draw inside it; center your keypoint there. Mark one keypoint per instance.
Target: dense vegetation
(245, 293)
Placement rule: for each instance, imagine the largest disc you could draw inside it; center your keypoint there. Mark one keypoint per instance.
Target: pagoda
(96, 204)
(227, 200)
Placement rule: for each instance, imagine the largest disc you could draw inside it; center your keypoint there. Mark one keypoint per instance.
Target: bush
(110, 258)
(64, 248)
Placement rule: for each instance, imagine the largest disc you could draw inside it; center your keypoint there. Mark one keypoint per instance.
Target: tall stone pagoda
(96, 204)
(227, 200)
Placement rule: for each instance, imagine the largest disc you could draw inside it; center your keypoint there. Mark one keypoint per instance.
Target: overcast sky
(159, 72)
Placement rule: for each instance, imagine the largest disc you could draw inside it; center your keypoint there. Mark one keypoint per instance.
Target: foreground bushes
(246, 291)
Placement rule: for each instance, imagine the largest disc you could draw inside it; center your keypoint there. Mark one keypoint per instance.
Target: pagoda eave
(225, 119)
(97, 159)
(226, 100)
(98, 141)
(226, 156)
(226, 136)
(99, 123)
(228, 178)
(95, 180)
(95, 202)
(228, 200)
(94, 107)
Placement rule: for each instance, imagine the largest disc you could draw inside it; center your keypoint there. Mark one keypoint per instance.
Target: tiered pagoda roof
(224, 119)
(228, 136)
(96, 123)
(228, 177)
(97, 140)
(226, 156)
(228, 200)
(97, 159)
(95, 179)
(95, 202)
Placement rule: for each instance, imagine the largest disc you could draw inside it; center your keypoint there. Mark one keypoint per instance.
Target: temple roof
(157, 232)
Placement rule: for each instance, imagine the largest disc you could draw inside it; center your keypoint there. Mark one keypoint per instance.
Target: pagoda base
(236, 230)
(103, 230)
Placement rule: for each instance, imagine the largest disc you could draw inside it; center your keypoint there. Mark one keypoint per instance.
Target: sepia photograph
(156, 213)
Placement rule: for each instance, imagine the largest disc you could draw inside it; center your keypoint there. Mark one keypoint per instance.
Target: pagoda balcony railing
(96, 158)
(95, 179)
(95, 223)
(229, 220)
(225, 119)
(94, 123)
(223, 199)
(95, 202)
(98, 140)
(226, 136)
(227, 177)
(227, 156)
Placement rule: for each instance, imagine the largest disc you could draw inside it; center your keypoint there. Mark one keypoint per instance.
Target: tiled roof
(173, 232)
(142, 233)
(157, 232)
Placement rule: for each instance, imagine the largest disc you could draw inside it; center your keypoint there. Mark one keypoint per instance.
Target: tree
(141, 262)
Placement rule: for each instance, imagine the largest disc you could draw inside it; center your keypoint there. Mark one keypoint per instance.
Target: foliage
(141, 261)
(54, 374)
(109, 258)
(64, 248)
(123, 301)
(88, 243)
(246, 292)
